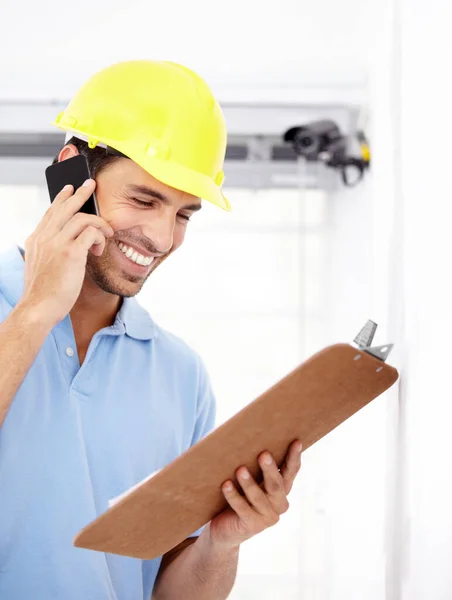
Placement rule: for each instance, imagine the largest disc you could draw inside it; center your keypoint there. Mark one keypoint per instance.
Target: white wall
(424, 517)
(236, 45)
(411, 98)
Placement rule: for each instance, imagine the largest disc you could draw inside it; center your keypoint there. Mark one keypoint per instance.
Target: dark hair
(98, 158)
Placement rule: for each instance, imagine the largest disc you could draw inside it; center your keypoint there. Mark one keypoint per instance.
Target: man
(94, 396)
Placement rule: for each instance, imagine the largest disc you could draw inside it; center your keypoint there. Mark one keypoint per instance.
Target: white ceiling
(48, 48)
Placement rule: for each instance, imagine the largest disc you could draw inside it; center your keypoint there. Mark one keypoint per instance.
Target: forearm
(21, 337)
(200, 572)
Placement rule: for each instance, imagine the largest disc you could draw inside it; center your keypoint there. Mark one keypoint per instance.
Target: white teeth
(134, 256)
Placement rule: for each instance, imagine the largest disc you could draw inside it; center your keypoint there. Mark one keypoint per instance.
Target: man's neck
(93, 310)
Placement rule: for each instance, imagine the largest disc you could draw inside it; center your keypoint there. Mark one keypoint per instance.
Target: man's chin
(112, 281)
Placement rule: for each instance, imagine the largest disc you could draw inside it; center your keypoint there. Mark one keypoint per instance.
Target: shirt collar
(131, 319)
(135, 320)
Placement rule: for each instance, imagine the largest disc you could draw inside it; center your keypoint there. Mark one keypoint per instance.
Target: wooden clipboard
(307, 404)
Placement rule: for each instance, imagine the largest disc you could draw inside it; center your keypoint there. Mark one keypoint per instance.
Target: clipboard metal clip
(364, 342)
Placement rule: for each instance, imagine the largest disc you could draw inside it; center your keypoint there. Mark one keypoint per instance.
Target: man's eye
(141, 203)
(151, 204)
(184, 217)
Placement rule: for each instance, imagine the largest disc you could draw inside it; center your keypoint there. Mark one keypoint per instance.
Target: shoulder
(179, 350)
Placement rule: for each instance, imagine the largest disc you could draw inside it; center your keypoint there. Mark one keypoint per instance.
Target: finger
(66, 209)
(81, 221)
(237, 502)
(65, 193)
(255, 495)
(291, 465)
(273, 483)
(91, 236)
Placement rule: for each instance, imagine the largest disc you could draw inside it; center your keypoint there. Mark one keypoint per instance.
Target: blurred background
(303, 260)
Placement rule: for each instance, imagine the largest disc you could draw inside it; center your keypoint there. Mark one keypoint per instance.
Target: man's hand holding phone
(57, 251)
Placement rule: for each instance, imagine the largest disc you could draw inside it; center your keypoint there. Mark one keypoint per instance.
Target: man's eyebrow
(144, 190)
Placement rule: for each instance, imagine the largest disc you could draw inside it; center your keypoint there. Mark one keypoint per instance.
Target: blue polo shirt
(74, 438)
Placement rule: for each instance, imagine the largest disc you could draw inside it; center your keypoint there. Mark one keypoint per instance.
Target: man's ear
(69, 151)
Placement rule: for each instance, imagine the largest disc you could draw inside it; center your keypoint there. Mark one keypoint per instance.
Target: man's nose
(160, 229)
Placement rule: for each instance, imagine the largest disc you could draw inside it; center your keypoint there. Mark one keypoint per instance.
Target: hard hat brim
(182, 178)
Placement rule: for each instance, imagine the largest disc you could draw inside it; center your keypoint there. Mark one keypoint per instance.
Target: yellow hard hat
(161, 115)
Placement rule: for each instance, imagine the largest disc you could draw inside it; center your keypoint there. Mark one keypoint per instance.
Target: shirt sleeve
(206, 414)
(4, 308)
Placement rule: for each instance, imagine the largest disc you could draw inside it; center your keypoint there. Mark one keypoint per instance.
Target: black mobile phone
(73, 171)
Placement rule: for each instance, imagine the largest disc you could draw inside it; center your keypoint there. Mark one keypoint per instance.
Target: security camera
(323, 141)
(316, 140)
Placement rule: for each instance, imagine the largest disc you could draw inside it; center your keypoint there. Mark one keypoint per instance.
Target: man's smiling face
(149, 219)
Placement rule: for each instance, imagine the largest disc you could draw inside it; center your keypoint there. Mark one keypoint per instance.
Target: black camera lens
(306, 141)
(306, 144)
